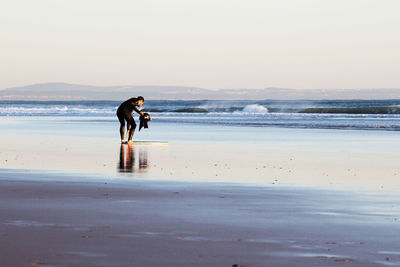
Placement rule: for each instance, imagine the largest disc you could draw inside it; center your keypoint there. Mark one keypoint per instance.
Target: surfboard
(160, 143)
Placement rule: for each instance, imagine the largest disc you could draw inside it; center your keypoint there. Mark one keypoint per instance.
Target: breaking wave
(55, 111)
(255, 109)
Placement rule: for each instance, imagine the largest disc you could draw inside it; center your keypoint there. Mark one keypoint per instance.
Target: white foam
(254, 109)
(54, 110)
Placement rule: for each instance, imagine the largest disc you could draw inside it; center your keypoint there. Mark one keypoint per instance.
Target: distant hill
(65, 91)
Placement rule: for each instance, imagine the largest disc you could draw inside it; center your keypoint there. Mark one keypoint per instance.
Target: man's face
(140, 102)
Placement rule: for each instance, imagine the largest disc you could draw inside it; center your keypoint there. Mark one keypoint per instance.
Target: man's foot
(123, 141)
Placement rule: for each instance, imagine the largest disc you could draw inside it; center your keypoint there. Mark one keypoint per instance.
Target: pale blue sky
(211, 44)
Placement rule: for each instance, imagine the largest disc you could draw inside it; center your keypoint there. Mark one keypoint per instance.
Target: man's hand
(141, 113)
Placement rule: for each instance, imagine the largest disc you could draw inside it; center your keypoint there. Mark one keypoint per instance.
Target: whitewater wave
(253, 109)
(248, 109)
(54, 111)
(241, 108)
(354, 115)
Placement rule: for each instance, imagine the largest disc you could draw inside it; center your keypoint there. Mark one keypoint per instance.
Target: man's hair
(140, 98)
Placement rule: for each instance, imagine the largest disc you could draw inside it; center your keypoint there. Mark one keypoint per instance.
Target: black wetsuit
(124, 113)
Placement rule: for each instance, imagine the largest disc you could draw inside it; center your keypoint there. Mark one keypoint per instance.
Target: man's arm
(136, 109)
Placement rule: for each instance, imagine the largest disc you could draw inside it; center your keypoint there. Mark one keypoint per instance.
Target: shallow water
(200, 152)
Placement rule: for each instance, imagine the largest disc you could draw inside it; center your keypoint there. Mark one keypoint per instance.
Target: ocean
(380, 115)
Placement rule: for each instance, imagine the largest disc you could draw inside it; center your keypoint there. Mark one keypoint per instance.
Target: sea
(376, 115)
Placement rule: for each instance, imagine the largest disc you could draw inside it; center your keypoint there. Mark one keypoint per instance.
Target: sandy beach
(186, 224)
(199, 133)
(291, 198)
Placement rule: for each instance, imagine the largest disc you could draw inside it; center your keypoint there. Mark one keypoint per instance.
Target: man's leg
(128, 127)
(122, 126)
(132, 124)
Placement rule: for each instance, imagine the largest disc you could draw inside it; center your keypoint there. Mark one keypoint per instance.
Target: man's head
(140, 100)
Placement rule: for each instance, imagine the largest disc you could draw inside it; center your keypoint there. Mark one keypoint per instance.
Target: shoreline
(77, 178)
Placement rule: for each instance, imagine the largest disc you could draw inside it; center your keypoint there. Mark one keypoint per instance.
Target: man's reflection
(142, 160)
(127, 159)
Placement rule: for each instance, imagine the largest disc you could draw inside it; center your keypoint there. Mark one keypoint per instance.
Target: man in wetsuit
(124, 113)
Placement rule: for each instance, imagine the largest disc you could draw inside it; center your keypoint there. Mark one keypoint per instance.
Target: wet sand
(278, 197)
(190, 224)
(205, 161)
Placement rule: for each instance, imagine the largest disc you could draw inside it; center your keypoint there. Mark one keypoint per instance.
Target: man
(124, 113)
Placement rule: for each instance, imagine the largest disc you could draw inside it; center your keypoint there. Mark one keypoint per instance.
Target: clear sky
(214, 44)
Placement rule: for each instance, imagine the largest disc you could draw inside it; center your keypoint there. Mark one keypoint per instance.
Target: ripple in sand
(386, 252)
(201, 238)
(332, 257)
(85, 254)
(388, 262)
(329, 213)
(127, 201)
(158, 233)
(269, 241)
(23, 223)
(308, 247)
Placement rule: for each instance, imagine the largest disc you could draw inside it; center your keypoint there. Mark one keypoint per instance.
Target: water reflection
(127, 159)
